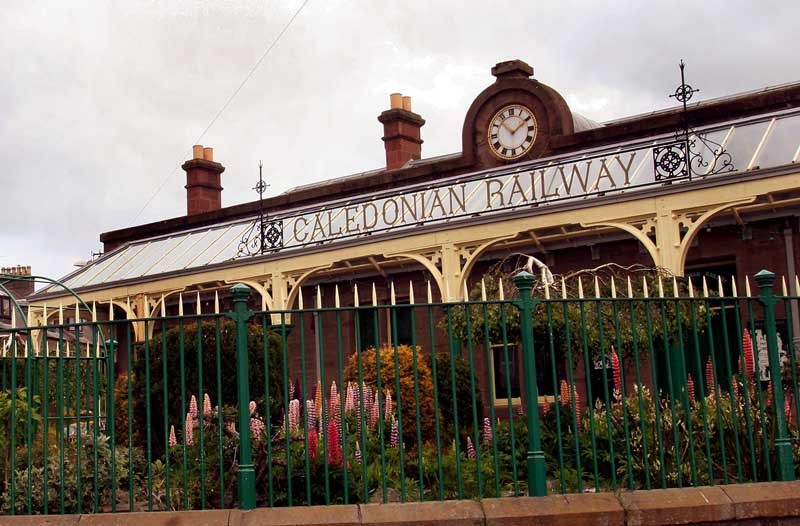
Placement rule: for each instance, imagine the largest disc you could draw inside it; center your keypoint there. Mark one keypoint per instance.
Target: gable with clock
(515, 118)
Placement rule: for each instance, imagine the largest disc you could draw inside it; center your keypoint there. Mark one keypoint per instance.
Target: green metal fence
(580, 385)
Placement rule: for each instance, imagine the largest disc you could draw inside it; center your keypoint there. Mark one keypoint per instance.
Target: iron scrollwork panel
(670, 161)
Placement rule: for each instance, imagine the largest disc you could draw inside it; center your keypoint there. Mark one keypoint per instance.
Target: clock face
(512, 132)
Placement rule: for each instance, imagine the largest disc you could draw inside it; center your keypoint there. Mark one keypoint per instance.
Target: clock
(512, 132)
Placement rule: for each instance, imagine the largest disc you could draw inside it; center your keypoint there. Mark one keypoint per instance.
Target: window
(505, 374)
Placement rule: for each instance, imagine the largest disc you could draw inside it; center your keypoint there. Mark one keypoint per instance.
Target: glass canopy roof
(763, 142)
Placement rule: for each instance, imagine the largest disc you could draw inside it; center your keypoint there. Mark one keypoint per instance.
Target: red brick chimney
(18, 288)
(401, 135)
(203, 188)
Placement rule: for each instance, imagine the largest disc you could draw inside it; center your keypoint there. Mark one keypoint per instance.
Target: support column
(451, 273)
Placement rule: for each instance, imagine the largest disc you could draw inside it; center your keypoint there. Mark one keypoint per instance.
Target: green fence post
(537, 474)
(783, 447)
(246, 474)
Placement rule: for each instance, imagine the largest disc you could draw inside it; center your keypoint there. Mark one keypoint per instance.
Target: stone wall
(746, 504)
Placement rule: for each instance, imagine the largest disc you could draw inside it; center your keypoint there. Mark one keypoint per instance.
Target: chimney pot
(203, 182)
(401, 132)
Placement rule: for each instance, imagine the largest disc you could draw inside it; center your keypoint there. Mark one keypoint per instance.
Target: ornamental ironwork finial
(684, 157)
(263, 235)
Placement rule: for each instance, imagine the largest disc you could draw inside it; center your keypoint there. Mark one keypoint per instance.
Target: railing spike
(596, 287)
(355, 295)
(675, 291)
(630, 287)
(734, 288)
(466, 292)
(200, 308)
(77, 313)
(111, 310)
(410, 292)
(645, 292)
(580, 288)
(747, 286)
(391, 293)
(163, 306)
(613, 288)
(501, 293)
(319, 297)
(336, 301)
(660, 287)
(216, 302)
(796, 286)
(180, 304)
(705, 287)
(719, 286)
(783, 286)
(430, 293)
(374, 295)
(691, 288)
(94, 311)
(300, 297)
(563, 288)
(483, 289)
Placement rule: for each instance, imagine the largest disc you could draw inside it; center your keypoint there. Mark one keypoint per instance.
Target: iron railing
(570, 386)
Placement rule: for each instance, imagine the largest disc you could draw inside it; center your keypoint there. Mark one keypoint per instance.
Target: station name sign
(471, 195)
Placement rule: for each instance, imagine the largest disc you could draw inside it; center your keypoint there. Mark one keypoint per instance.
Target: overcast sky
(100, 102)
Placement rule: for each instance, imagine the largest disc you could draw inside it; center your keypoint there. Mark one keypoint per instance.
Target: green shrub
(444, 388)
(228, 386)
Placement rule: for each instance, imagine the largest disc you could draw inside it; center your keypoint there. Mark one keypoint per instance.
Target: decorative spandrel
(263, 235)
(692, 153)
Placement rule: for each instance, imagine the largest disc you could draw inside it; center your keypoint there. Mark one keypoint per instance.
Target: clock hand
(507, 127)
(521, 122)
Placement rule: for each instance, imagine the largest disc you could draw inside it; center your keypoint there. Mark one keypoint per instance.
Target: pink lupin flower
(690, 388)
(312, 443)
(172, 440)
(565, 397)
(349, 401)
(616, 370)
(334, 391)
(294, 415)
(253, 408)
(311, 414)
(749, 357)
(710, 378)
(578, 412)
(769, 393)
(256, 426)
(394, 437)
(206, 405)
(387, 407)
(374, 415)
(193, 407)
(334, 448)
(291, 391)
(358, 453)
(318, 403)
(487, 432)
(470, 449)
(189, 430)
